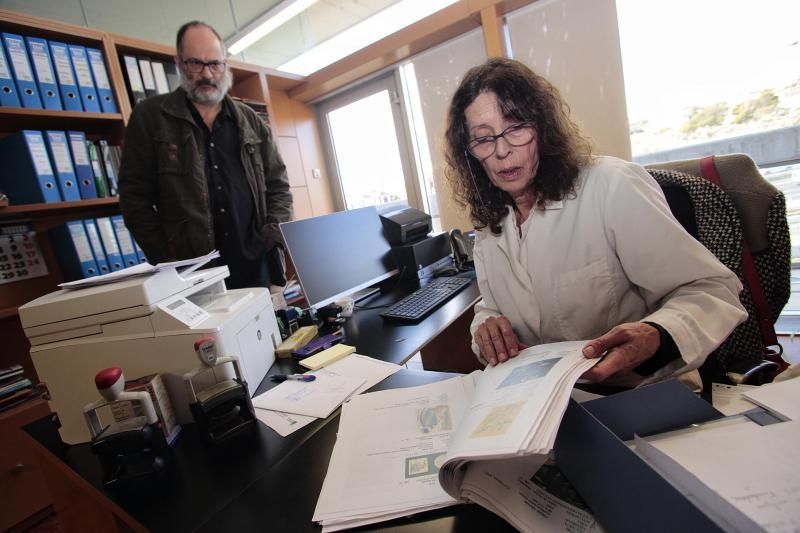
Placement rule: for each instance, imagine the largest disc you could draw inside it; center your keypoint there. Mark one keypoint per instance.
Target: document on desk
(780, 398)
(403, 451)
(388, 451)
(317, 398)
(744, 476)
(373, 371)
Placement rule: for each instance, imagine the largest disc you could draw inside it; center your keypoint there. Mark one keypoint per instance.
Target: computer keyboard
(424, 300)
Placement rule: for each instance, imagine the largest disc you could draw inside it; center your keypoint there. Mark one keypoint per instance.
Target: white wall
(575, 45)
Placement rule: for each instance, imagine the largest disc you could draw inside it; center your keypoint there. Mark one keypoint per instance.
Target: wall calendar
(20, 256)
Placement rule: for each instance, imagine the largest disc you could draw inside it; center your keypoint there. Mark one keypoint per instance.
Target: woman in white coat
(571, 246)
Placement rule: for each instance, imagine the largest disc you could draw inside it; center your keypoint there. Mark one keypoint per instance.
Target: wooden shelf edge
(49, 113)
(8, 312)
(32, 211)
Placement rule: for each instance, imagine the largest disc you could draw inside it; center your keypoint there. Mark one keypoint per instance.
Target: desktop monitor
(339, 254)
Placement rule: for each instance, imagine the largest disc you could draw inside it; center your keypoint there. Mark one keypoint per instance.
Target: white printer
(144, 325)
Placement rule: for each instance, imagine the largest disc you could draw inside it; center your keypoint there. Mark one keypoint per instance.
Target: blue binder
(84, 174)
(45, 75)
(110, 245)
(65, 75)
(22, 71)
(139, 252)
(8, 89)
(97, 246)
(125, 241)
(83, 74)
(25, 174)
(73, 251)
(104, 92)
(62, 164)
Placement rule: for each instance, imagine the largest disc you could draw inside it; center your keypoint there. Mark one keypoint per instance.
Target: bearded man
(201, 171)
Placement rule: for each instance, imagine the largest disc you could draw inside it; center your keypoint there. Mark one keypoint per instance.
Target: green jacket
(163, 191)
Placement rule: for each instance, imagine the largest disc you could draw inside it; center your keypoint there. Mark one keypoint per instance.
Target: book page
(530, 493)
(388, 451)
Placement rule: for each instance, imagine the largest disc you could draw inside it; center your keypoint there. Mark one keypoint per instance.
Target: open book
(484, 437)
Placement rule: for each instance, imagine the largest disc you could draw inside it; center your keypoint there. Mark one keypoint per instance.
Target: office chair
(727, 205)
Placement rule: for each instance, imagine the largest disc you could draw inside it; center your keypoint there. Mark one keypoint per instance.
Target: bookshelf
(250, 83)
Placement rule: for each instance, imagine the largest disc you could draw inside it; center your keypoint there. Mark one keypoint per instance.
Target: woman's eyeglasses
(516, 135)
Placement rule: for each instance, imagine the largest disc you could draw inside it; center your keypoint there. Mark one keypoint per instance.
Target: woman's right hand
(496, 340)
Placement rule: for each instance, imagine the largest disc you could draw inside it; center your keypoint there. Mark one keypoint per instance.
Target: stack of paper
(393, 446)
(295, 404)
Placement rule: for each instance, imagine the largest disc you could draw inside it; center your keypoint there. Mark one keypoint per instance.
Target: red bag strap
(751, 277)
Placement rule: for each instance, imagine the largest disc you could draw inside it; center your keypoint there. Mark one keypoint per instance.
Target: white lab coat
(611, 254)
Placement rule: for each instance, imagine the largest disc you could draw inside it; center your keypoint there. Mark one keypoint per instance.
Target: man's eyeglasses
(516, 135)
(195, 66)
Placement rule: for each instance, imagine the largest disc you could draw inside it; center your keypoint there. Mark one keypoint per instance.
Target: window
(699, 83)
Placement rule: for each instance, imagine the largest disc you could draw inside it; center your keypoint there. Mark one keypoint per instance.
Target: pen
(295, 377)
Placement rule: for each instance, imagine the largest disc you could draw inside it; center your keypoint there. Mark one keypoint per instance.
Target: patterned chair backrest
(747, 204)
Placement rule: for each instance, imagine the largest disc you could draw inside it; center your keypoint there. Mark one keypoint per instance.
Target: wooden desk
(267, 482)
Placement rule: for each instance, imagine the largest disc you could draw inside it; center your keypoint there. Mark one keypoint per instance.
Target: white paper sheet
(317, 398)
(372, 370)
(782, 398)
(728, 400)
(745, 476)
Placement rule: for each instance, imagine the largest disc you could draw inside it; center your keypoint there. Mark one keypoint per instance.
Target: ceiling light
(265, 23)
(366, 32)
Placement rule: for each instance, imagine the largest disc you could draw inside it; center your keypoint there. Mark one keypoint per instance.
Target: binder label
(107, 231)
(81, 243)
(99, 69)
(78, 150)
(61, 155)
(81, 68)
(124, 237)
(133, 74)
(4, 71)
(16, 51)
(40, 62)
(147, 74)
(63, 65)
(39, 154)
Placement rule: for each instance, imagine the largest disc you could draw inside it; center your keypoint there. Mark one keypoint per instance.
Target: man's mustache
(204, 81)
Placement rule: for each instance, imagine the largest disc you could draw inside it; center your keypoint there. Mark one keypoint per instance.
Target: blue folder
(65, 75)
(84, 174)
(8, 89)
(110, 245)
(139, 252)
(125, 241)
(97, 246)
(22, 71)
(73, 251)
(61, 161)
(100, 73)
(83, 74)
(45, 75)
(25, 174)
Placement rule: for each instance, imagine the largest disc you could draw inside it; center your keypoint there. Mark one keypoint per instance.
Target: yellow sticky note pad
(298, 339)
(326, 357)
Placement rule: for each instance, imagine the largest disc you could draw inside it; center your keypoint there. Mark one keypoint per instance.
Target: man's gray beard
(199, 96)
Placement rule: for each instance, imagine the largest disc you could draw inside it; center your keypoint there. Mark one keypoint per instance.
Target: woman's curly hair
(525, 97)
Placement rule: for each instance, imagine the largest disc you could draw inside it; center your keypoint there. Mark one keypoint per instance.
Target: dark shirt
(241, 243)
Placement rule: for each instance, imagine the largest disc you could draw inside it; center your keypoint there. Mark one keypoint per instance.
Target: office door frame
(389, 81)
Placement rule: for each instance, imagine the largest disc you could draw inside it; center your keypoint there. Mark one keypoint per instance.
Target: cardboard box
(622, 490)
(153, 385)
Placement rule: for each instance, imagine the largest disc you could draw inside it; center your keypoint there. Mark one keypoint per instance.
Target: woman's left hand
(626, 346)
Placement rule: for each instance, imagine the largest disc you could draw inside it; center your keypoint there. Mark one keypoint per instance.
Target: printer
(144, 325)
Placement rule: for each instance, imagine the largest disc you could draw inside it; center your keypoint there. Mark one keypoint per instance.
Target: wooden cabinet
(22, 485)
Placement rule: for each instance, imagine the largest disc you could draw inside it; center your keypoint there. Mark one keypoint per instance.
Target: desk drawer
(21, 482)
